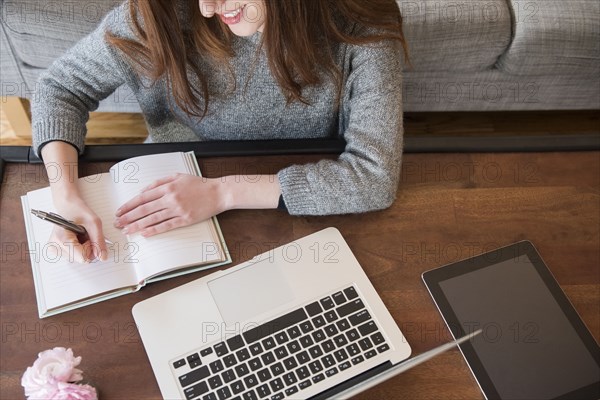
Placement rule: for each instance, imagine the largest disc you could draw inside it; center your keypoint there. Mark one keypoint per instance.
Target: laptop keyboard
(286, 355)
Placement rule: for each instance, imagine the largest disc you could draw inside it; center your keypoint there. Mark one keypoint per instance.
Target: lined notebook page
(64, 282)
(192, 245)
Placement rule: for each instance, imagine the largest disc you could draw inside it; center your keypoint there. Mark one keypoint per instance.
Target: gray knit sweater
(365, 177)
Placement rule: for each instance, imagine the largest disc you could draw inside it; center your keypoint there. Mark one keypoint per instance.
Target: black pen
(62, 222)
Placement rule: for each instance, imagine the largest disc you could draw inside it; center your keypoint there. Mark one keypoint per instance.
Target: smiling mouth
(233, 14)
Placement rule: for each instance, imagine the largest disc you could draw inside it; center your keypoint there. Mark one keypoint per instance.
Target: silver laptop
(299, 321)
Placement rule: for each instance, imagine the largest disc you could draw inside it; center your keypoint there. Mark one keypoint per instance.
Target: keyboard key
(340, 340)
(383, 347)
(290, 378)
(314, 309)
(269, 343)
(242, 370)
(318, 378)
(290, 363)
(343, 324)
(350, 293)
(251, 395)
(367, 328)
(350, 307)
(255, 364)
(377, 338)
(276, 384)
(228, 376)
(359, 317)
(306, 341)
(196, 390)
(305, 384)
(278, 396)
(194, 376)
(243, 354)
(229, 360)
(206, 351)
(220, 349)
(193, 357)
(344, 366)
(341, 355)
(237, 387)
(303, 357)
(365, 344)
(327, 303)
(179, 363)
(224, 393)
(353, 349)
(330, 316)
(339, 298)
(294, 346)
(318, 321)
(303, 372)
(280, 352)
(318, 335)
(263, 390)
(281, 337)
(294, 332)
(291, 390)
(256, 349)
(264, 375)
(357, 360)
(315, 366)
(275, 325)
(331, 372)
(328, 361)
(195, 363)
(215, 381)
(352, 335)
(315, 351)
(268, 358)
(251, 381)
(330, 330)
(235, 343)
(370, 354)
(216, 366)
(328, 346)
(306, 326)
(277, 369)
(210, 396)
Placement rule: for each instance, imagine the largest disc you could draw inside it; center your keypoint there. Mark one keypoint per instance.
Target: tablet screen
(529, 348)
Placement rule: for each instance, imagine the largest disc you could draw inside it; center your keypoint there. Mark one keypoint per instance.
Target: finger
(96, 245)
(149, 220)
(68, 243)
(139, 213)
(138, 200)
(164, 226)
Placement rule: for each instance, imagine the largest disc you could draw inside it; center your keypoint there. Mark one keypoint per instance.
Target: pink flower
(51, 377)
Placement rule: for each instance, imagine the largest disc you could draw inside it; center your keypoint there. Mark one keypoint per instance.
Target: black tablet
(534, 345)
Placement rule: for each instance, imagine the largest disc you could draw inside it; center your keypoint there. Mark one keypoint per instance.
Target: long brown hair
(165, 46)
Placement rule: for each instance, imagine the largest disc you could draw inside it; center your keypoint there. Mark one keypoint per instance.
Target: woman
(243, 69)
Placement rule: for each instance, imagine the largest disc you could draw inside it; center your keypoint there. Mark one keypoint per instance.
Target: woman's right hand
(76, 248)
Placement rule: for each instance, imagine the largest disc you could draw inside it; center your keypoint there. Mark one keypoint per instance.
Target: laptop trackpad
(250, 291)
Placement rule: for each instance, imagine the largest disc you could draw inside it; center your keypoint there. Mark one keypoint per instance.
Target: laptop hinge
(329, 393)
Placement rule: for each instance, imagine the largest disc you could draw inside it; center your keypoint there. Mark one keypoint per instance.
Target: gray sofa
(469, 55)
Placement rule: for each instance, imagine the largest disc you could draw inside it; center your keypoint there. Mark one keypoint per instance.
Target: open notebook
(133, 260)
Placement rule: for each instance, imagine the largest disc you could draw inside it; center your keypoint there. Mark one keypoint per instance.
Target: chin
(240, 30)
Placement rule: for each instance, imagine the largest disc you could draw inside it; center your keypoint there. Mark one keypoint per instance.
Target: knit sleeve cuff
(53, 129)
(295, 190)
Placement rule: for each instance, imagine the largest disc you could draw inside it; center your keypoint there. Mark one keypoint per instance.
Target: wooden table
(449, 206)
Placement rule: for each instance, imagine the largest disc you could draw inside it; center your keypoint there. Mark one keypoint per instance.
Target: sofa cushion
(455, 35)
(554, 37)
(42, 30)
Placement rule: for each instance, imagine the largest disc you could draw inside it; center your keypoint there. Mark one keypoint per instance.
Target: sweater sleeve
(76, 82)
(365, 176)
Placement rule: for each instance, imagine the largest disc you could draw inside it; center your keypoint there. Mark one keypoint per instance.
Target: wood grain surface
(449, 207)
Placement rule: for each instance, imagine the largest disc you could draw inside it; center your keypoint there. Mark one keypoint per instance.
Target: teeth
(232, 14)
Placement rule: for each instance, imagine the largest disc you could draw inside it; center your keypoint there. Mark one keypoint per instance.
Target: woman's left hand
(171, 203)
